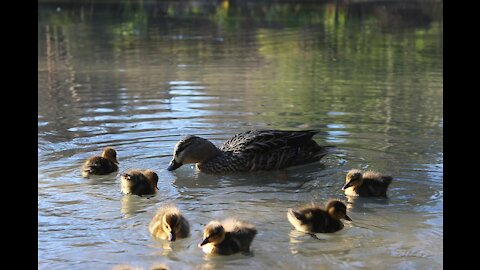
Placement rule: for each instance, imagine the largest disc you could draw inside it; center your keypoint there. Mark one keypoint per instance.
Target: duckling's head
(110, 153)
(192, 149)
(337, 209)
(149, 174)
(213, 233)
(354, 178)
(171, 225)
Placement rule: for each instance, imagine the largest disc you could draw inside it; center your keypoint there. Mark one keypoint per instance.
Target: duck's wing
(261, 141)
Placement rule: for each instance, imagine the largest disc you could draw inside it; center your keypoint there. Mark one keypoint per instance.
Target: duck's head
(354, 178)
(110, 153)
(337, 209)
(171, 225)
(192, 149)
(153, 177)
(213, 233)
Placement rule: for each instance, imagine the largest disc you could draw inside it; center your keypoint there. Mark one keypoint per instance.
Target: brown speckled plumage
(250, 151)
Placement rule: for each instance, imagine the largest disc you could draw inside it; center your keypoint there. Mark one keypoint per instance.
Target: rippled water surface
(139, 76)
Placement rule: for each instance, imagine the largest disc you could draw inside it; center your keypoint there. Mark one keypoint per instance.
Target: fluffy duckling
(250, 151)
(104, 164)
(226, 238)
(139, 182)
(366, 184)
(169, 224)
(314, 219)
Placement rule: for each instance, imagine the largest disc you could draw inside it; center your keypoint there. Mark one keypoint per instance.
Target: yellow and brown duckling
(250, 151)
(139, 182)
(366, 184)
(99, 165)
(314, 219)
(169, 224)
(227, 237)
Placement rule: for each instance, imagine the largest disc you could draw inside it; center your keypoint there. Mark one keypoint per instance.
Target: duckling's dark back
(237, 241)
(143, 188)
(99, 165)
(321, 222)
(374, 185)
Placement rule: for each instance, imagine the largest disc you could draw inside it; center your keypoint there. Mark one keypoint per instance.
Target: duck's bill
(347, 185)
(174, 165)
(172, 237)
(348, 218)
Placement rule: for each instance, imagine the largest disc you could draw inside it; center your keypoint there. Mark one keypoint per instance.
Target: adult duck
(250, 151)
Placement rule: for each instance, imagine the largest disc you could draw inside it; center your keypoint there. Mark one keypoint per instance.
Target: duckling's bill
(204, 242)
(347, 185)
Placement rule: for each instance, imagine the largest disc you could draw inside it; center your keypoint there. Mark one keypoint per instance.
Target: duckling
(228, 237)
(139, 182)
(366, 184)
(169, 224)
(250, 151)
(314, 219)
(104, 164)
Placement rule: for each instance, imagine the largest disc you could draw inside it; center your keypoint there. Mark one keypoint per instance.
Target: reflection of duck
(139, 182)
(169, 224)
(314, 219)
(226, 238)
(104, 164)
(250, 151)
(366, 184)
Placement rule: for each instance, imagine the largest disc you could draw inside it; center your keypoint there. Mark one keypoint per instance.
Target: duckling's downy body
(250, 151)
(366, 184)
(227, 237)
(313, 219)
(99, 165)
(169, 224)
(139, 182)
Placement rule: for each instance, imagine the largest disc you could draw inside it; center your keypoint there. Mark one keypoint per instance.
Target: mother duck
(250, 151)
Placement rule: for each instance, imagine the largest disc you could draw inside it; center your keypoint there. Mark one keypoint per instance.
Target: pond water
(139, 76)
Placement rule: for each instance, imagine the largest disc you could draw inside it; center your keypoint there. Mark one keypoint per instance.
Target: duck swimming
(169, 224)
(99, 165)
(139, 182)
(227, 237)
(366, 184)
(250, 151)
(313, 219)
